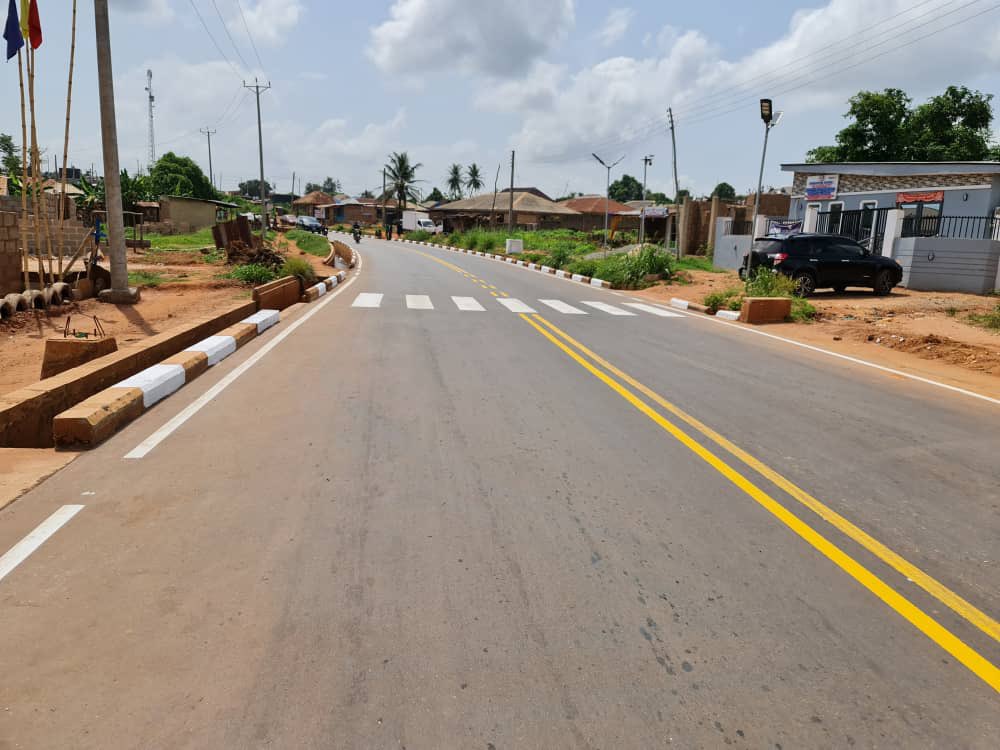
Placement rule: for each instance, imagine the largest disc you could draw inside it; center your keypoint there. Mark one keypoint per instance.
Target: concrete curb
(97, 418)
(728, 314)
(599, 283)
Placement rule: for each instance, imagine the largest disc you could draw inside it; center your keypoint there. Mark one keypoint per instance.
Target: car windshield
(767, 246)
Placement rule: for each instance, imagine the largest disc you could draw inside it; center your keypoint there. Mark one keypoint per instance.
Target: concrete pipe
(65, 291)
(6, 309)
(34, 299)
(52, 297)
(17, 302)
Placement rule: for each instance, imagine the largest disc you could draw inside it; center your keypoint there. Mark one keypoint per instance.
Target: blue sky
(463, 81)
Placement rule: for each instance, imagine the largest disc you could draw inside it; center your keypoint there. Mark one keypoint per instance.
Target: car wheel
(805, 283)
(884, 283)
(840, 288)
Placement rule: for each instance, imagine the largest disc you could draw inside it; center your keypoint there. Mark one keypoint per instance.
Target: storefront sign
(821, 187)
(319, 213)
(931, 196)
(783, 228)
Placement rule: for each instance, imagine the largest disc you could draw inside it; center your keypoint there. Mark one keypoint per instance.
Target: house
(308, 203)
(533, 209)
(346, 210)
(196, 213)
(591, 213)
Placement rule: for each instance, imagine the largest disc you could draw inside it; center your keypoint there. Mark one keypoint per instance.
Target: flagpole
(24, 177)
(69, 98)
(41, 210)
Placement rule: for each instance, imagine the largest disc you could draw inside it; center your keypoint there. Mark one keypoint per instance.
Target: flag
(31, 27)
(12, 31)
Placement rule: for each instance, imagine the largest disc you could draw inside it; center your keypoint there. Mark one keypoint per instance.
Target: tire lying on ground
(17, 302)
(34, 299)
(52, 297)
(65, 291)
(6, 309)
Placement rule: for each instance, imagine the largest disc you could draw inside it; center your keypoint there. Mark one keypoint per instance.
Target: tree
(455, 181)
(435, 195)
(953, 126)
(628, 188)
(312, 187)
(252, 188)
(402, 175)
(473, 179)
(725, 191)
(10, 160)
(660, 199)
(569, 196)
(179, 175)
(331, 186)
(366, 193)
(682, 194)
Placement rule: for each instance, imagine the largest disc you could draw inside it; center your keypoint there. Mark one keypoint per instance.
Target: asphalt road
(423, 524)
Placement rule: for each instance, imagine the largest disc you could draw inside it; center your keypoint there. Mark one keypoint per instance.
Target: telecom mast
(152, 141)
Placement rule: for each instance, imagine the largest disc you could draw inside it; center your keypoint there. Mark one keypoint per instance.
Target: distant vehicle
(821, 261)
(288, 219)
(419, 221)
(310, 224)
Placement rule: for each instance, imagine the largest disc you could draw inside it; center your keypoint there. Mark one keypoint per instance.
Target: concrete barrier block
(156, 382)
(264, 319)
(562, 274)
(328, 283)
(278, 294)
(759, 310)
(62, 354)
(215, 348)
(577, 277)
(600, 283)
(241, 333)
(680, 304)
(728, 314)
(97, 418)
(194, 363)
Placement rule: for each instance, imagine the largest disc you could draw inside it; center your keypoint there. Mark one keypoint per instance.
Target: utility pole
(152, 140)
(293, 183)
(257, 88)
(646, 161)
(607, 196)
(119, 291)
(510, 216)
(209, 133)
(385, 219)
(673, 145)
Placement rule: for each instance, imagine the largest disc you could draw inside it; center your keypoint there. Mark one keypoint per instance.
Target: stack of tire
(36, 299)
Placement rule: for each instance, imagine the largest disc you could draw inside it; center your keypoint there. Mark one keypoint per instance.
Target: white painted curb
(577, 277)
(547, 269)
(598, 283)
(681, 304)
(727, 314)
(156, 382)
(216, 347)
(561, 274)
(264, 319)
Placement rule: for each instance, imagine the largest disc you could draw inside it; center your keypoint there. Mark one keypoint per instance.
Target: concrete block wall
(11, 279)
(942, 264)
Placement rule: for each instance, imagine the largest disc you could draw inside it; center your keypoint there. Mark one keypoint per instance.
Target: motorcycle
(357, 236)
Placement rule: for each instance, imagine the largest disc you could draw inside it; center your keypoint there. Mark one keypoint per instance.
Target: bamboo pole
(69, 99)
(38, 194)
(24, 176)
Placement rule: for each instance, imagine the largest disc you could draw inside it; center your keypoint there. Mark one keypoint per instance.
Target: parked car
(310, 224)
(288, 219)
(822, 261)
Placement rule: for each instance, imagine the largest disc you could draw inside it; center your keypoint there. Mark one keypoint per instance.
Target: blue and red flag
(12, 31)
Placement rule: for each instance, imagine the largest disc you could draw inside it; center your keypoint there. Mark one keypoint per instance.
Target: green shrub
(583, 267)
(419, 235)
(470, 240)
(487, 242)
(630, 271)
(145, 278)
(989, 320)
(767, 283)
(535, 258)
(727, 299)
(559, 256)
(253, 274)
(299, 267)
(802, 311)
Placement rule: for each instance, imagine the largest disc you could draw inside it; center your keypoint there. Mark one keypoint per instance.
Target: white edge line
(191, 409)
(848, 358)
(23, 549)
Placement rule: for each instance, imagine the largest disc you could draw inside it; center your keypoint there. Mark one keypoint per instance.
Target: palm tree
(455, 181)
(473, 180)
(402, 176)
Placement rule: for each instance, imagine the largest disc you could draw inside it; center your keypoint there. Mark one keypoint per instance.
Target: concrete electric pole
(510, 215)
(646, 161)
(119, 291)
(257, 88)
(673, 148)
(208, 132)
(151, 137)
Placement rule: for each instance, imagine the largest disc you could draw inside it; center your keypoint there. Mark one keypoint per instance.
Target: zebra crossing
(375, 300)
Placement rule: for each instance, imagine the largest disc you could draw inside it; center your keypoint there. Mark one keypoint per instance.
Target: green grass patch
(419, 235)
(252, 274)
(299, 267)
(145, 278)
(193, 241)
(314, 244)
(727, 299)
(698, 263)
(990, 320)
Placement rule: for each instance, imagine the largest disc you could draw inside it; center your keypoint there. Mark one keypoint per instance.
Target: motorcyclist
(356, 231)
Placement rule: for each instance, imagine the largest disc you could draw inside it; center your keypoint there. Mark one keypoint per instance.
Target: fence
(860, 225)
(954, 227)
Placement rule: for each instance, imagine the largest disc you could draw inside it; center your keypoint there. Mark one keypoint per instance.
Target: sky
(462, 81)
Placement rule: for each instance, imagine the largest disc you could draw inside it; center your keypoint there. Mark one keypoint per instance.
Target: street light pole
(119, 291)
(646, 161)
(771, 119)
(607, 195)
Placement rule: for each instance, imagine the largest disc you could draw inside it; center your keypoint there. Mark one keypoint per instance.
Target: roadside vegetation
(763, 283)
(298, 267)
(252, 274)
(145, 278)
(309, 242)
(989, 320)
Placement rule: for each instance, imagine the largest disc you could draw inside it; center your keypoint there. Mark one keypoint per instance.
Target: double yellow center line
(616, 380)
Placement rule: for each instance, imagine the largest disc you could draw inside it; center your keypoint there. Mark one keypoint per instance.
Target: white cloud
(536, 92)
(269, 20)
(497, 39)
(615, 25)
(313, 75)
(147, 10)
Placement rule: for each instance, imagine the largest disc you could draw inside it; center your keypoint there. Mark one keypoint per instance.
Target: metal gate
(865, 225)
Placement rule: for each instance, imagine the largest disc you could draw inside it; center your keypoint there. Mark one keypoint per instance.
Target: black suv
(818, 261)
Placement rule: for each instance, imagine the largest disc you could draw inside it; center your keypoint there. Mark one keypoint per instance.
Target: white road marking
(559, 306)
(367, 299)
(652, 310)
(20, 551)
(195, 406)
(609, 309)
(468, 304)
(419, 302)
(515, 305)
(855, 360)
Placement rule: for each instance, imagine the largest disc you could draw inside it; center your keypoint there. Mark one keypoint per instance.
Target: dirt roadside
(922, 333)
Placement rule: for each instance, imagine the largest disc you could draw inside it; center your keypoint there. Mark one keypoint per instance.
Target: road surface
(463, 505)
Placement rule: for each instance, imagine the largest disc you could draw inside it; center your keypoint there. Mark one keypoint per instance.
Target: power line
(249, 35)
(215, 43)
(226, 29)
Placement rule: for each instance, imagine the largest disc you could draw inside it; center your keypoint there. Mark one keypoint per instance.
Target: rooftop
(897, 168)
